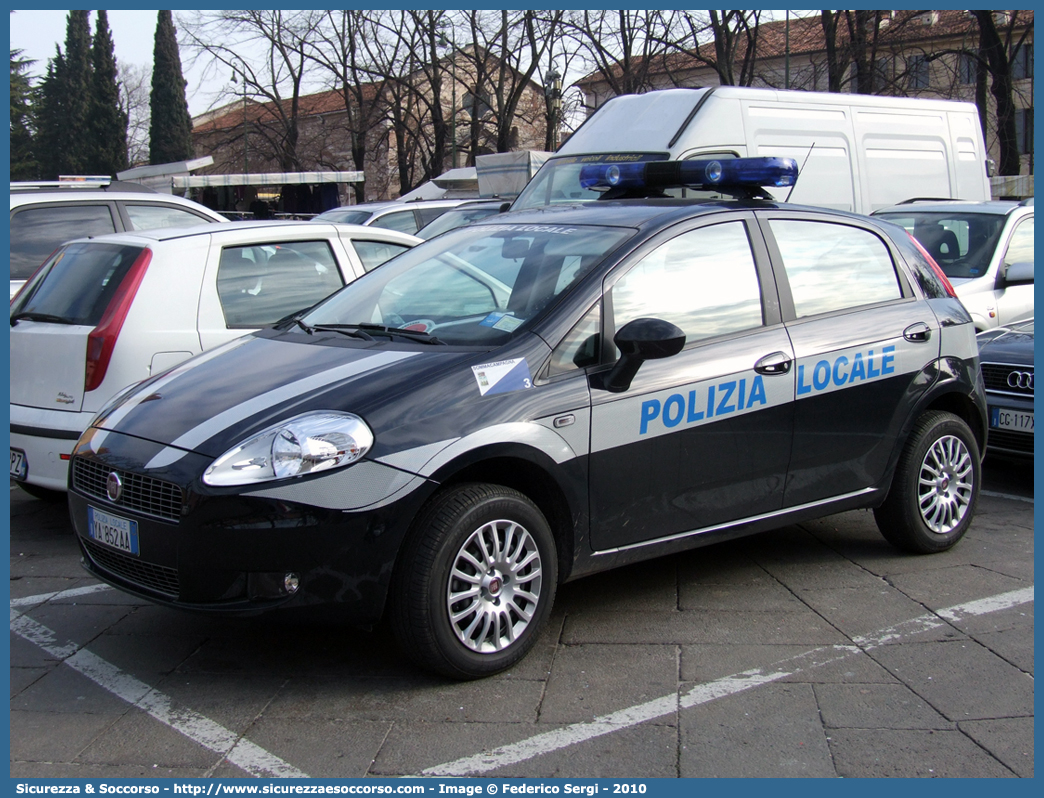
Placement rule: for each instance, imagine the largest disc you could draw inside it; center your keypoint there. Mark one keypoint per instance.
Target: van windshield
(473, 286)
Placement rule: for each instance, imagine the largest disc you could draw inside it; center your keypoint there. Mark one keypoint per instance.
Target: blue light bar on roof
(725, 173)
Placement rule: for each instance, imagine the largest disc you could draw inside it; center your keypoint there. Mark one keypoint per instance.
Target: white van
(854, 152)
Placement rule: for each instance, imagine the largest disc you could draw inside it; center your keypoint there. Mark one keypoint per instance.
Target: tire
(450, 615)
(935, 486)
(43, 494)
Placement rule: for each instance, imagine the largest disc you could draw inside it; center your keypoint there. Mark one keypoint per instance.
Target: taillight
(935, 266)
(102, 339)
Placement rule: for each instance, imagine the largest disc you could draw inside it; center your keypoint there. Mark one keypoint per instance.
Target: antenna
(802, 169)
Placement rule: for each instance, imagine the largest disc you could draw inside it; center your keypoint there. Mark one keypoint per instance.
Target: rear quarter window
(153, 217)
(37, 232)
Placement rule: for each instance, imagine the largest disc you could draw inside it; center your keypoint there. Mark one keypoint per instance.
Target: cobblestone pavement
(813, 650)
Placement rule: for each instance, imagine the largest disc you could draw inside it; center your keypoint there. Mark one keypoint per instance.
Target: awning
(267, 179)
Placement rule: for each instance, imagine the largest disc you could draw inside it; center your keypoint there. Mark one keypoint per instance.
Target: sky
(133, 35)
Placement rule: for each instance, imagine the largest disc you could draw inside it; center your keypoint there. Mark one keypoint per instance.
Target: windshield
(474, 286)
(344, 217)
(558, 180)
(961, 243)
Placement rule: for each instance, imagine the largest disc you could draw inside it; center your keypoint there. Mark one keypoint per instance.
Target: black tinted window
(78, 283)
(37, 232)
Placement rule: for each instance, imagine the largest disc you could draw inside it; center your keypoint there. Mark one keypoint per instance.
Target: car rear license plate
(111, 530)
(19, 465)
(1015, 420)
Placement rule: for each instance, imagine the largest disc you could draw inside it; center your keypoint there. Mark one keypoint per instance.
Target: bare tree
(274, 83)
(135, 84)
(999, 48)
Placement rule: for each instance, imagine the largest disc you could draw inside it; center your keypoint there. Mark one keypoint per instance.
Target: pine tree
(170, 130)
(23, 159)
(64, 101)
(108, 122)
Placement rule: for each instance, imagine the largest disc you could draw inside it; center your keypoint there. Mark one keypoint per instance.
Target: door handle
(775, 363)
(918, 332)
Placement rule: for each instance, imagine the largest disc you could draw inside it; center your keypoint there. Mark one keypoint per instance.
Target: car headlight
(305, 444)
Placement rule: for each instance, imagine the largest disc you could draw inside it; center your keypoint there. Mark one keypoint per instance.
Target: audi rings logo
(1023, 380)
(113, 487)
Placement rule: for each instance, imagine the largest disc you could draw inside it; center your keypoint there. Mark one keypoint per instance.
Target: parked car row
(105, 312)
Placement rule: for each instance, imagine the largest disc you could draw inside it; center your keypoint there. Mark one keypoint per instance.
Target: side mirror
(1019, 273)
(638, 341)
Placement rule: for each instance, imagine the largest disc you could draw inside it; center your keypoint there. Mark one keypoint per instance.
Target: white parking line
(213, 736)
(558, 739)
(258, 762)
(997, 495)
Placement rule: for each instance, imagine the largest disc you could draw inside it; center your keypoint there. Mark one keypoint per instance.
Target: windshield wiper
(392, 332)
(32, 316)
(343, 329)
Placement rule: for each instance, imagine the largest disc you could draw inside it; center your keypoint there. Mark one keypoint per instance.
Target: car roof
(998, 207)
(640, 213)
(47, 196)
(398, 205)
(235, 228)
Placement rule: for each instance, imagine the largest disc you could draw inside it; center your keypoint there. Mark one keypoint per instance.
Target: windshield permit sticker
(503, 376)
(501, 321)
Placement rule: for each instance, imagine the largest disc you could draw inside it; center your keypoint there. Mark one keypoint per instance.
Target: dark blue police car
(543, 395)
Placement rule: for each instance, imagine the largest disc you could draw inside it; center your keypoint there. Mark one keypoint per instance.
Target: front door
(701, 438)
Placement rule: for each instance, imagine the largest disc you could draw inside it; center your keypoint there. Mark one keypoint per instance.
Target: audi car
(541, 395)
(1006, 355)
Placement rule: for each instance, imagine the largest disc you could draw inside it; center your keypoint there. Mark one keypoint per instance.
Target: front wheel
(475, 582)
(935, 487)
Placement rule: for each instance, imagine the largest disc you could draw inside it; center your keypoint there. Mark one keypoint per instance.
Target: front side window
(833, 267)
(475, 285)
(37, 232)
(1020, 249)
(703, 281)
(258, 285)
(153, 217)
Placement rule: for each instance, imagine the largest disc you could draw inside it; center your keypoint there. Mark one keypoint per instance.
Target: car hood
(217, 399)
(1012, 344)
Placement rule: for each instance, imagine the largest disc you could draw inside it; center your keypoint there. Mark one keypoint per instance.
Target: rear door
(51, 322)
(861, 337)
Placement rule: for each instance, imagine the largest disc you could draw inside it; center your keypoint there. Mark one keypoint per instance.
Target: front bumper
(1007, 441)
(223, 551)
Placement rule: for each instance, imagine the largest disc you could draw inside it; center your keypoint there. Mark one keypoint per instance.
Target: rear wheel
(935, 488)
(475, 582)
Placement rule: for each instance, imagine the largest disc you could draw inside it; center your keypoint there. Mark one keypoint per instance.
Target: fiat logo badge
(113, 487)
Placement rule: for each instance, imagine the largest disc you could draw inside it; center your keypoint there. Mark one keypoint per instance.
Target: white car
(106, 312)
(984, 248)
(45, 215)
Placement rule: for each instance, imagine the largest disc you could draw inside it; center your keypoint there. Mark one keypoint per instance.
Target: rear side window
(374, 253)
(153, 217)
(833, 266)
(78, 283)
(259, 285)
(37, 232)
(403, 221)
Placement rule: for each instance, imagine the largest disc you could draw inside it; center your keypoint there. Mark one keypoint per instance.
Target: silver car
(984, 248)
